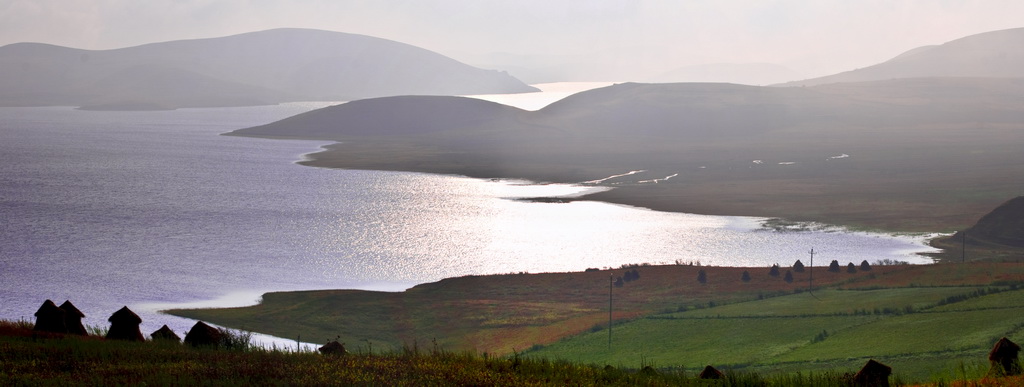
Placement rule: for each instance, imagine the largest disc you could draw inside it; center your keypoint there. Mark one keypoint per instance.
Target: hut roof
(1004, 348)
(202, 334)
(165, 332)
(125, 315)
(710, 372)
(48, 308)
(70, 309)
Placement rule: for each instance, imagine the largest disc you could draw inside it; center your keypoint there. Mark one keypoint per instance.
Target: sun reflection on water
(427, 227)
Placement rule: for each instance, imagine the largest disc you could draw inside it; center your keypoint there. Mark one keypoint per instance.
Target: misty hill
(909, 154)
(742, 73)
(998, 54)
(1003, 226)
(248, 69)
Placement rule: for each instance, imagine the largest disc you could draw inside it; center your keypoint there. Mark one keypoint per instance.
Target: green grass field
(923, 333)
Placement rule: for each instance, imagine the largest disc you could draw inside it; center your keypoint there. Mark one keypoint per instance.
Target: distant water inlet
(155, 208)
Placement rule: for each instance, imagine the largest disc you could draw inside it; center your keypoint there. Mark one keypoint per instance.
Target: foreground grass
(930, 322)
(92, 361)
(70, 361)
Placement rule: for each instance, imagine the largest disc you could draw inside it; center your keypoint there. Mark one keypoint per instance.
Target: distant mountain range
(998, 54)
(923, 142)
(255, 68)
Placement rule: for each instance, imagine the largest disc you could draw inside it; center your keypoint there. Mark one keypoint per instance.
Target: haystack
(1004, 358)
(73, 318)
(333, 348)
(710, 372)
(874, 374)
(202, 335)
(165, 333)
(50, 318)
(124, 325)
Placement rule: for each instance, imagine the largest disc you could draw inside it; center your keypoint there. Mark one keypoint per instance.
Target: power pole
(611, 285)
(810, 277)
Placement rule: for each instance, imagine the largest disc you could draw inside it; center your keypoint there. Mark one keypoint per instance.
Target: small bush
(235, 340)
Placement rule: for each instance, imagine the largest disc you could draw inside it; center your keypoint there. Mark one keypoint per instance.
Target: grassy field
(45, 360)
(921, 332)
(930, 322)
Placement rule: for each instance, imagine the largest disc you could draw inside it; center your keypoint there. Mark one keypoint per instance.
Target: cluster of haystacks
(65, 318)
(124, 325)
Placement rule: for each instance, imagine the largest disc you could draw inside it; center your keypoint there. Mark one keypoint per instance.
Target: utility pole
(810, 277)
(611, 285)
(963, 247)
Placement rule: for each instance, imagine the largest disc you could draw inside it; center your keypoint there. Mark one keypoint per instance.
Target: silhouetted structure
(165, 333)
(834, 266)
(73, 319)
(865, 266)
(1004, 358)
(746, 276)
(774, 272)
(851, 268)
(50, 318)
(710, 372)
(124, 325)
(333, 348)
(798, 266)
(203, 335)
(789, 277)
(873, 374)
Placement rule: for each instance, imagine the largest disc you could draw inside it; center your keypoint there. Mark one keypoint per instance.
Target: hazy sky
(814, 37)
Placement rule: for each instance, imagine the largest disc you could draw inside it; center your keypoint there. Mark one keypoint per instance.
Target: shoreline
(697, 200)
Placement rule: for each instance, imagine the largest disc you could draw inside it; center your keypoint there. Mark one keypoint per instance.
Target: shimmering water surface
(155, 209)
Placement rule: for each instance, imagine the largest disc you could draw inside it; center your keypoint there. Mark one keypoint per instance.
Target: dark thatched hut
(333, 347)
(165, 334)
(873, 374)
(73, 319)
(124, 325)
(1004, 358)
(203, 335)
(50, 318)
(710, 372)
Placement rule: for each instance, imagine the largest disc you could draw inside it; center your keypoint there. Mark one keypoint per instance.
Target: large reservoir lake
(157, 209)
